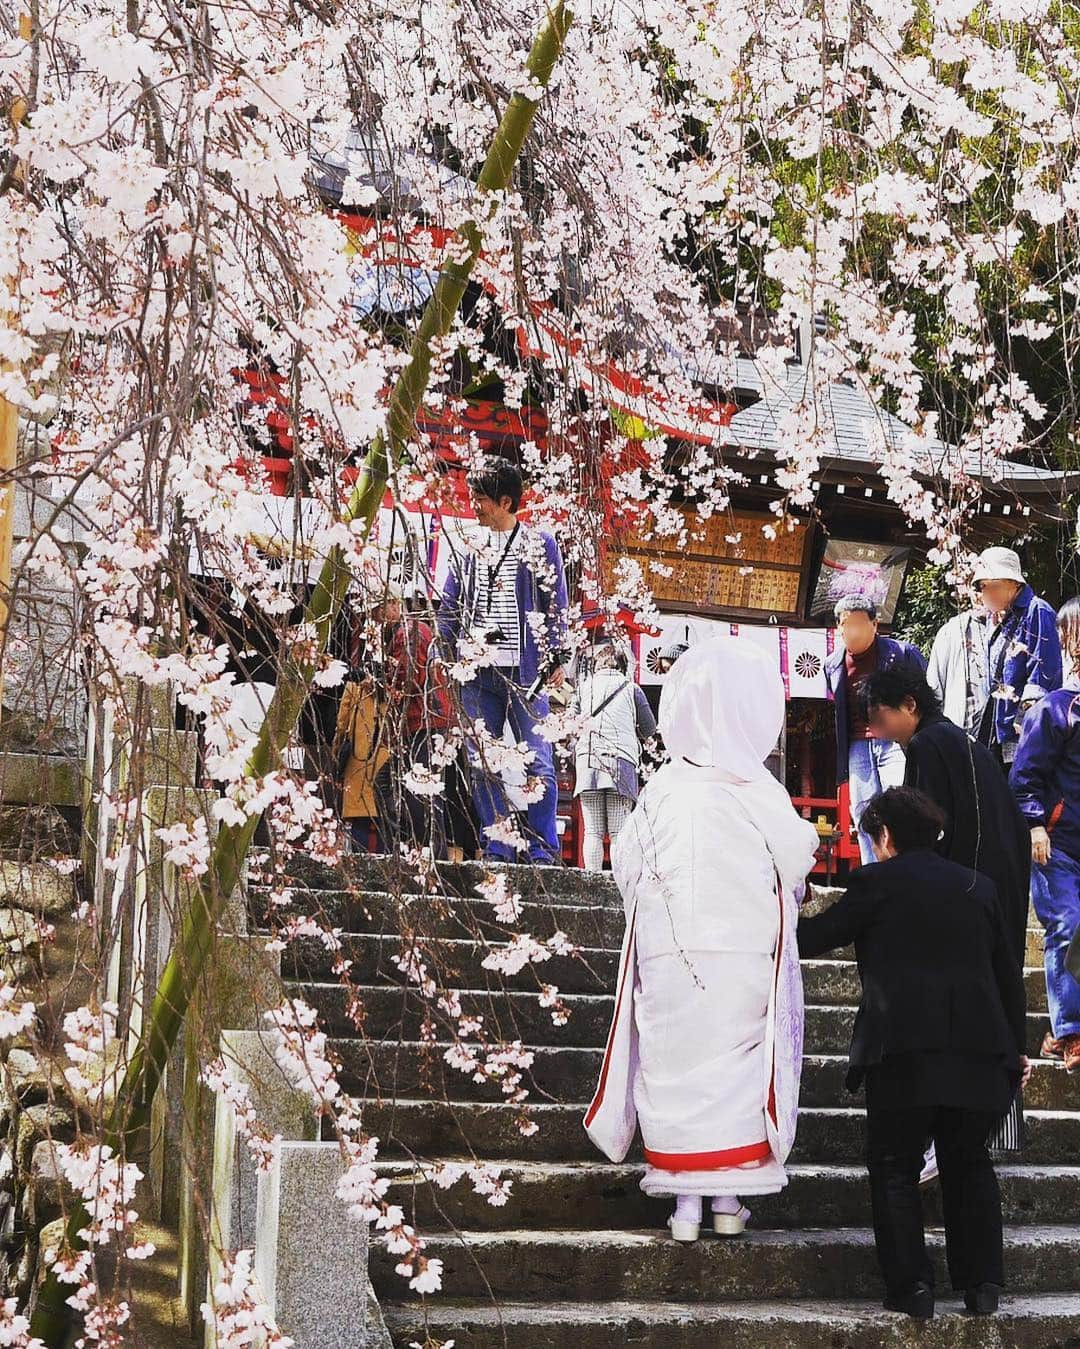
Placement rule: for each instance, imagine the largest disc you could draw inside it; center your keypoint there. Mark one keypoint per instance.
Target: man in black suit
(939, 1040)
(984, 828)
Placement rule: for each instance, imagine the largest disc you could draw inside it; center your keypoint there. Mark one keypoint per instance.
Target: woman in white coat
(705, 1048)
(608, 758)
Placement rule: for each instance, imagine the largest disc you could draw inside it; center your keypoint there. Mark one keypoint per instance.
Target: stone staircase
(578, 1255)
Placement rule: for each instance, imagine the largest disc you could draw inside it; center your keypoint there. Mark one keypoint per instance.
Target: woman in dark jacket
(939, 1041)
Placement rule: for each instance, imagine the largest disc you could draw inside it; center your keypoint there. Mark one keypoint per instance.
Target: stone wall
(36, 1110)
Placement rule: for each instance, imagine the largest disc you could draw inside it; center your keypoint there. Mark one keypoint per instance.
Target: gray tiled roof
(848, 414)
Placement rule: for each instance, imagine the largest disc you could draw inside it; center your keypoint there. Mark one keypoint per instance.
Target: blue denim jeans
(1055, 893)
(873, 765)
(494, 698)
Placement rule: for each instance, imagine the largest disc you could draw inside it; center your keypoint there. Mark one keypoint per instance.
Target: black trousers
(405, 817)
(896, 1141)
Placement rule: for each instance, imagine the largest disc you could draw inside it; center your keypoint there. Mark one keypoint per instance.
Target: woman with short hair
(938, 1040)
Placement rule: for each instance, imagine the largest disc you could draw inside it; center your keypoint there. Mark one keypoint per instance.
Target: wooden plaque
(705, 569)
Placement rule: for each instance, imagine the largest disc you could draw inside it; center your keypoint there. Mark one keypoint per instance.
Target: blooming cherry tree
(613, 199)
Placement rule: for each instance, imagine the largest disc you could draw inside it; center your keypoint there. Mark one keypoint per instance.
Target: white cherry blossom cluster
(223, 1082)
(15, 1017)
(15, 1328)
(506, 903)
(87, 1037)
(301, 1051)
(107, 1186)
(237, 1309)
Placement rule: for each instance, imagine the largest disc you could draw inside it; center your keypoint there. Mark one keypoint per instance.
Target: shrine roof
(853, 427)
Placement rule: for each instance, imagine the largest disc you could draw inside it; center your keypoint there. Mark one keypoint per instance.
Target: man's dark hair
(910, 816)
(889, 688)
(495, 479)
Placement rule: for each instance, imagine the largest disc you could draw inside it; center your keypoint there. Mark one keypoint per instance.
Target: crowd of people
(503, 609)
(964, 782)
(964, 776)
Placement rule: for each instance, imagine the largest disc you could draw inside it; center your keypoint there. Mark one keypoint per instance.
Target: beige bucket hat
(998, 564)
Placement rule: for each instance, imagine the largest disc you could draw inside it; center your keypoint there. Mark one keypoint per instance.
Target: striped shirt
(496, 594)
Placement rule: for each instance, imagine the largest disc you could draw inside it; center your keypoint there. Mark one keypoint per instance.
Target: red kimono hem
(709, 1161)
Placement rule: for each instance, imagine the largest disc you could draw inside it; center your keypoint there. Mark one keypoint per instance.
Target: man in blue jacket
(1024, 653)
(868, 765)
(505, 608)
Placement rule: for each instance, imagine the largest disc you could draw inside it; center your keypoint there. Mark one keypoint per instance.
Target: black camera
(493, 636)
(546, 670)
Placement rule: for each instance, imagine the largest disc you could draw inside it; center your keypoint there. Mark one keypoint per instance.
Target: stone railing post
(311, 1256)
(281, 1110)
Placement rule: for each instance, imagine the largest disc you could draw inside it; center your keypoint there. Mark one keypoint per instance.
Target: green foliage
(926, 604)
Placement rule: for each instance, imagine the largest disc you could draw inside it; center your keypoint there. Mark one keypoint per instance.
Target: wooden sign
(724, 564)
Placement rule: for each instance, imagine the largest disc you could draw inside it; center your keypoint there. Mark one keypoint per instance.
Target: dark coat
(935, 962)
(984, 829)
(889, 651)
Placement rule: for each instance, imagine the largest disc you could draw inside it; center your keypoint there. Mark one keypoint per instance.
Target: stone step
(569, 1074)
(601, 1196)
(1033, 950)
(823, 1084)
(828, 1030)
(380, 913)
(397, 1013)
(452, 963)
(425, 1128)
(393, 1013)
(560, 885)
(836, 982)
(458, 963)
(381, 872)
(414, 1068)
(528, 1265)
(1032, 1321)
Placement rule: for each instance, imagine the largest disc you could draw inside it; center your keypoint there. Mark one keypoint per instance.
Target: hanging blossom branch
(123, 563)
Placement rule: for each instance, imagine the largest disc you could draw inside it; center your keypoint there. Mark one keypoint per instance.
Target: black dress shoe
(983, 1300)
(919, 1303)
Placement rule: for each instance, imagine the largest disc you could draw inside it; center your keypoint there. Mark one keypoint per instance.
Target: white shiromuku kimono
(705, 1047)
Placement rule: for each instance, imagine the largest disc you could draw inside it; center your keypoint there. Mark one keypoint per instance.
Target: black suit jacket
(984, 829)
(935, 961)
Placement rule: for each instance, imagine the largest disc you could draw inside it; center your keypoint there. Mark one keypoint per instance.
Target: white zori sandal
(685, 1223)
(684, 1231)
(731, 1224)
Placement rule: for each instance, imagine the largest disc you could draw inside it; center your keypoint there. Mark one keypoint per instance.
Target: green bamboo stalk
(52, 1318)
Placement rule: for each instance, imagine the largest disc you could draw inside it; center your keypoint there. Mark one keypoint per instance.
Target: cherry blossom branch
(145, 1069)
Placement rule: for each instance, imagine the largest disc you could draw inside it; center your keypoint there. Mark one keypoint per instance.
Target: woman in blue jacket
(1046, 781)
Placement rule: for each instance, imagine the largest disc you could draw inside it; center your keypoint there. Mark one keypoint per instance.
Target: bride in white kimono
(705, 1048)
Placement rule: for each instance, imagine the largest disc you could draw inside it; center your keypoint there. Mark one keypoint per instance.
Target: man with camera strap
(508, 601)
